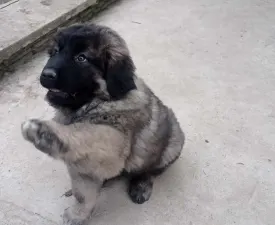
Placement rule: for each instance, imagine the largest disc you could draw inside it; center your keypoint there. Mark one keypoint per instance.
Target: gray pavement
(22, 18)
(213, 63)
(4, 1)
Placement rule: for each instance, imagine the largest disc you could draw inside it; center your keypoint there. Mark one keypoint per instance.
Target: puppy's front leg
(93, 153)
(85, 189)
(97, 149)
(43, 137)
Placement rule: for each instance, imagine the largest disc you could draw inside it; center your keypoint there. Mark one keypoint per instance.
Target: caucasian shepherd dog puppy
(108, 122)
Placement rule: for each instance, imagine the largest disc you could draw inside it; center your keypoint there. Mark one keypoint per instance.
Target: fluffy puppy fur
(108, 122)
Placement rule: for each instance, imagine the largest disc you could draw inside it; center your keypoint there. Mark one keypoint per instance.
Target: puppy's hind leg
(141, 185)
(140, 188)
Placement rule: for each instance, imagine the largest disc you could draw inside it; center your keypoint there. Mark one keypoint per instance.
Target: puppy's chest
(118, 120)
(124, 121)
(115, 120)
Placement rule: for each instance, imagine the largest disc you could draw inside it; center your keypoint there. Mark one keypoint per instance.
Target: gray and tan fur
(135, 135)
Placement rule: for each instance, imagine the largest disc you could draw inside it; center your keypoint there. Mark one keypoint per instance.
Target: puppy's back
(159, 141)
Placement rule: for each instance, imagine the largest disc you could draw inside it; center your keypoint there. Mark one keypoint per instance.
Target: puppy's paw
(30, 130)
(38, 133)
(74, 216)
(140, 190)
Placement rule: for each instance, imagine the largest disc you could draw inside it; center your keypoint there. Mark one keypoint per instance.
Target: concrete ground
(213, 63)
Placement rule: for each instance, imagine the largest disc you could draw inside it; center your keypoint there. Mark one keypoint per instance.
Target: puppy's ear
(120, 76)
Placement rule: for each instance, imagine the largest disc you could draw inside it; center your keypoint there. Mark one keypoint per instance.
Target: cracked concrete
(13, 214)
(213, 63)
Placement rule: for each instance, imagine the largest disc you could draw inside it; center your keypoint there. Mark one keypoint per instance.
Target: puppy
(107, 121)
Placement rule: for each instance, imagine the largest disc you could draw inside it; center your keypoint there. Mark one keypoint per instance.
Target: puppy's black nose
(48, 78)
(49, 74)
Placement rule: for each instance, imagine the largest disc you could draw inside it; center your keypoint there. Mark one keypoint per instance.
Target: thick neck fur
(134, 100)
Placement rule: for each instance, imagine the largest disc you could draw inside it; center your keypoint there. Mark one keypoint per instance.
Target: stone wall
(36, 45)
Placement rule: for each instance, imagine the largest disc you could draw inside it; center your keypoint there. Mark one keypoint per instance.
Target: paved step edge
(22, 50)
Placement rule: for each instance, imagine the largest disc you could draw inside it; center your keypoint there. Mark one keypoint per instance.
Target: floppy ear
(120, 76)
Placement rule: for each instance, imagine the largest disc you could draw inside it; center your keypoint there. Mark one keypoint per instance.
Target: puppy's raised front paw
(40, 134)
(30, 130)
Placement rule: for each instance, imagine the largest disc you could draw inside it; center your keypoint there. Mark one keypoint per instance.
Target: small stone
(46, 2)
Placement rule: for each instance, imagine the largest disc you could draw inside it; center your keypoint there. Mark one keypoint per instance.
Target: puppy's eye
(81, 58)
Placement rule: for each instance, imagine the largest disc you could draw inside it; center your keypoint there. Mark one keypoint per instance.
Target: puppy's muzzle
(48, 78)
